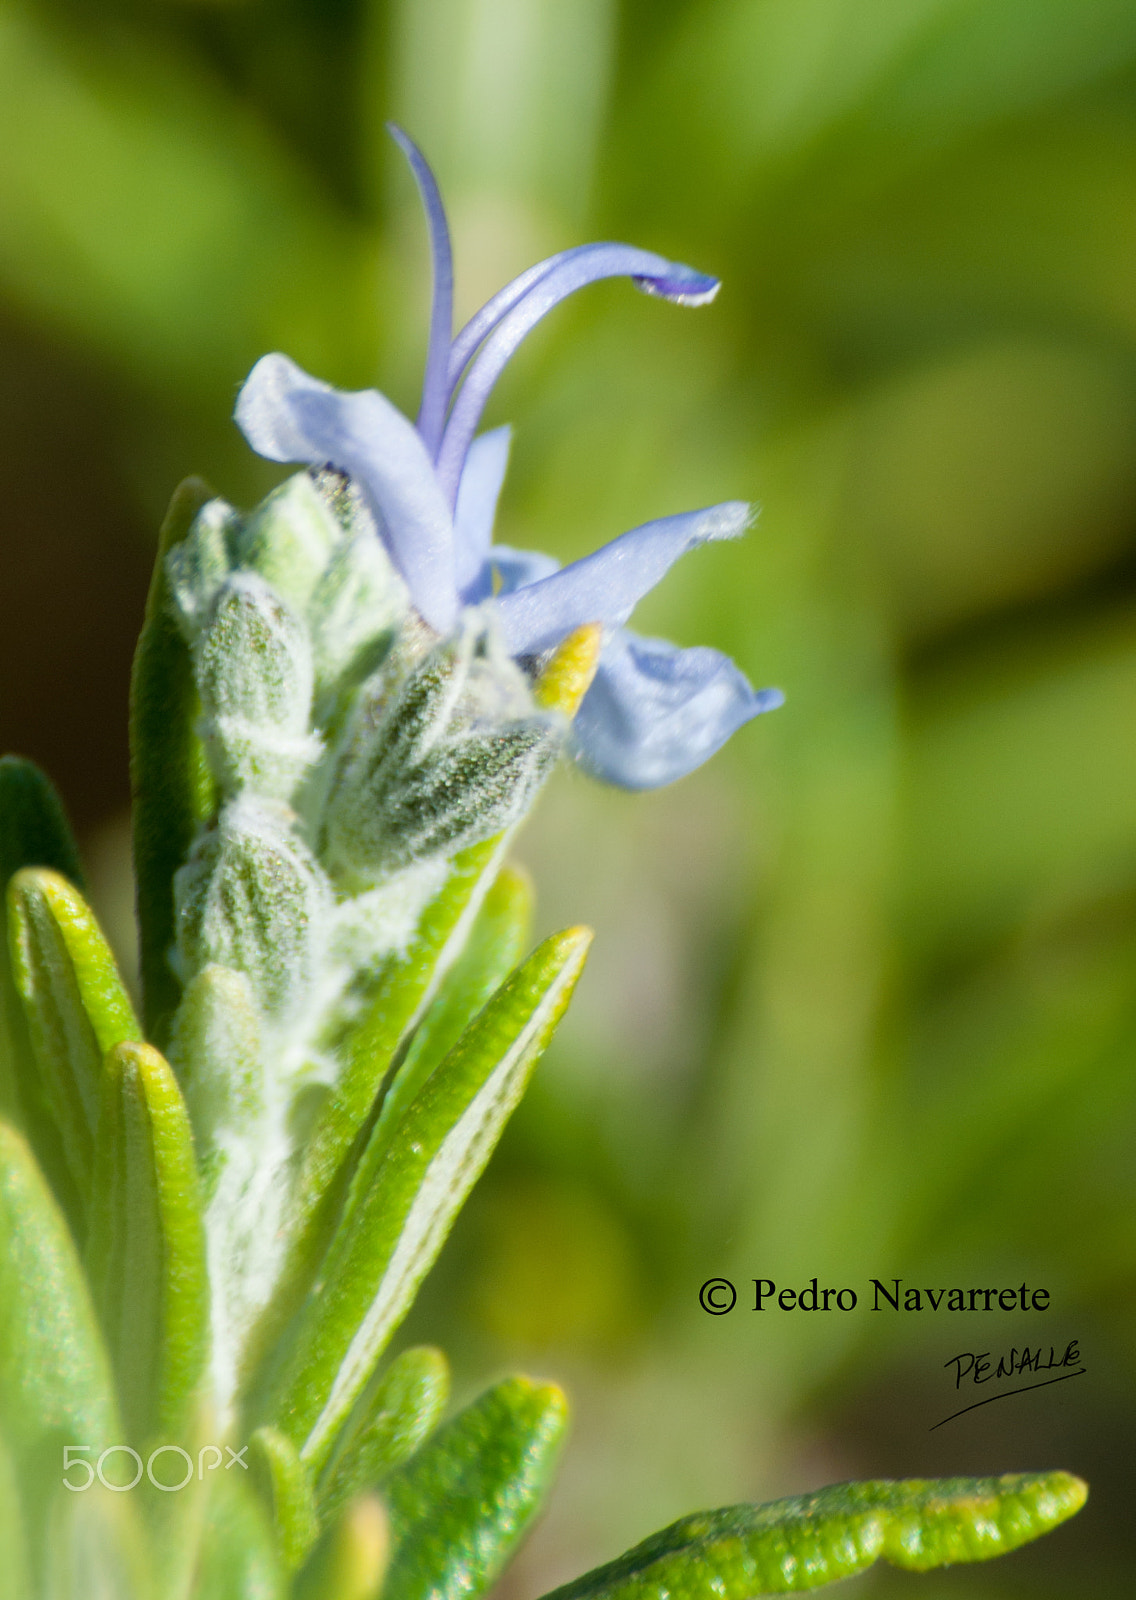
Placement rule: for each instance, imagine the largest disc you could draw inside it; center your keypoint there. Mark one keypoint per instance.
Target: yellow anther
(568, 673)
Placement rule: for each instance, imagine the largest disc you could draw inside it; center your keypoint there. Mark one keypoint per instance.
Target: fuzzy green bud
(216, 1051)
(452, 756)
(253, 898)
(354, 613)
(289, 539)
(254, 675)
(198, 566)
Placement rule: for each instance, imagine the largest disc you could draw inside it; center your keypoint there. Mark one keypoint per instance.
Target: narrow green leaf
(403, 1202)
(350, 1560)
(813, 1539)
(399, 999)
(54, 1373)
(146, 1254)
(169, 779)
(401, 1408)
(74, 1004)
(934, 1522)
(459, 1507)
(496, 944)
(285, 1487)
(13, 1534)
(238, 1557)
(34, 832)
(402, 993)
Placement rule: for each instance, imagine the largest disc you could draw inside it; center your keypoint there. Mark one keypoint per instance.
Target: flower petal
(288, 416)
(435, 390)
(476, 507)
(515, 569)
(547, 284)
(655, 712)
(607, 585)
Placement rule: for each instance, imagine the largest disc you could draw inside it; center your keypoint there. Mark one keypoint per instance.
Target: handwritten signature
(982, 1368)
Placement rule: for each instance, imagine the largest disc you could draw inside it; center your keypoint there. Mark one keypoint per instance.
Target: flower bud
(289, 539)
(354, 613)
(198, 566)
(455, 754)
(253, 898)
(215, 1051)
(254, 675)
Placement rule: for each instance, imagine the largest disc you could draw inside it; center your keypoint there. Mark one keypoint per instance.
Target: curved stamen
(483, 322)
(575, 268)
(435, 388)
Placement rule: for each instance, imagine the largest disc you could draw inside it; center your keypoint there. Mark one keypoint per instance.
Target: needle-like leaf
(801, 1543)
(286, 1488)
(169, 779)
(146, 1253)
(459, 1507)
(54, 1374)
(496, 944)
(34, 832)
(403, 1202)
(74, 1002)
(400, 1409)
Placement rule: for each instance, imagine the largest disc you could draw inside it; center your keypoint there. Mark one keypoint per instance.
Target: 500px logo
(209, 1458)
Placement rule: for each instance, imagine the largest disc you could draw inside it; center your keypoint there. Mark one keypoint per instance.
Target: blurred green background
(863, 1000)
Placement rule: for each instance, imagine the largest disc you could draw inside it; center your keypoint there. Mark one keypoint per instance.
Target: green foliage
(459, 1506)
(406, 1192)
(285, 1485)
(55, 1379)
(399, 1410)
(75, 1007)
(34, 832)
(813, 1539)
(166, 766)
(353, 1036)
(146, 1246)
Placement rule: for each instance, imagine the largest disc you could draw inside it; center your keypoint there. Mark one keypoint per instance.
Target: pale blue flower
(654, 711)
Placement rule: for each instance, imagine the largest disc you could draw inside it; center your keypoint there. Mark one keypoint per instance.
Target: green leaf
(404, 1200)
(495, 946)
(34, 832)
(402, 1408)
(54, 1373)
(284, 1484)
(401, 995)
(459, 1507)
(813, 1539)
(351, 1558)
(238, 1557)
(146, 1254)
(74, 1002)
(172, 793)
